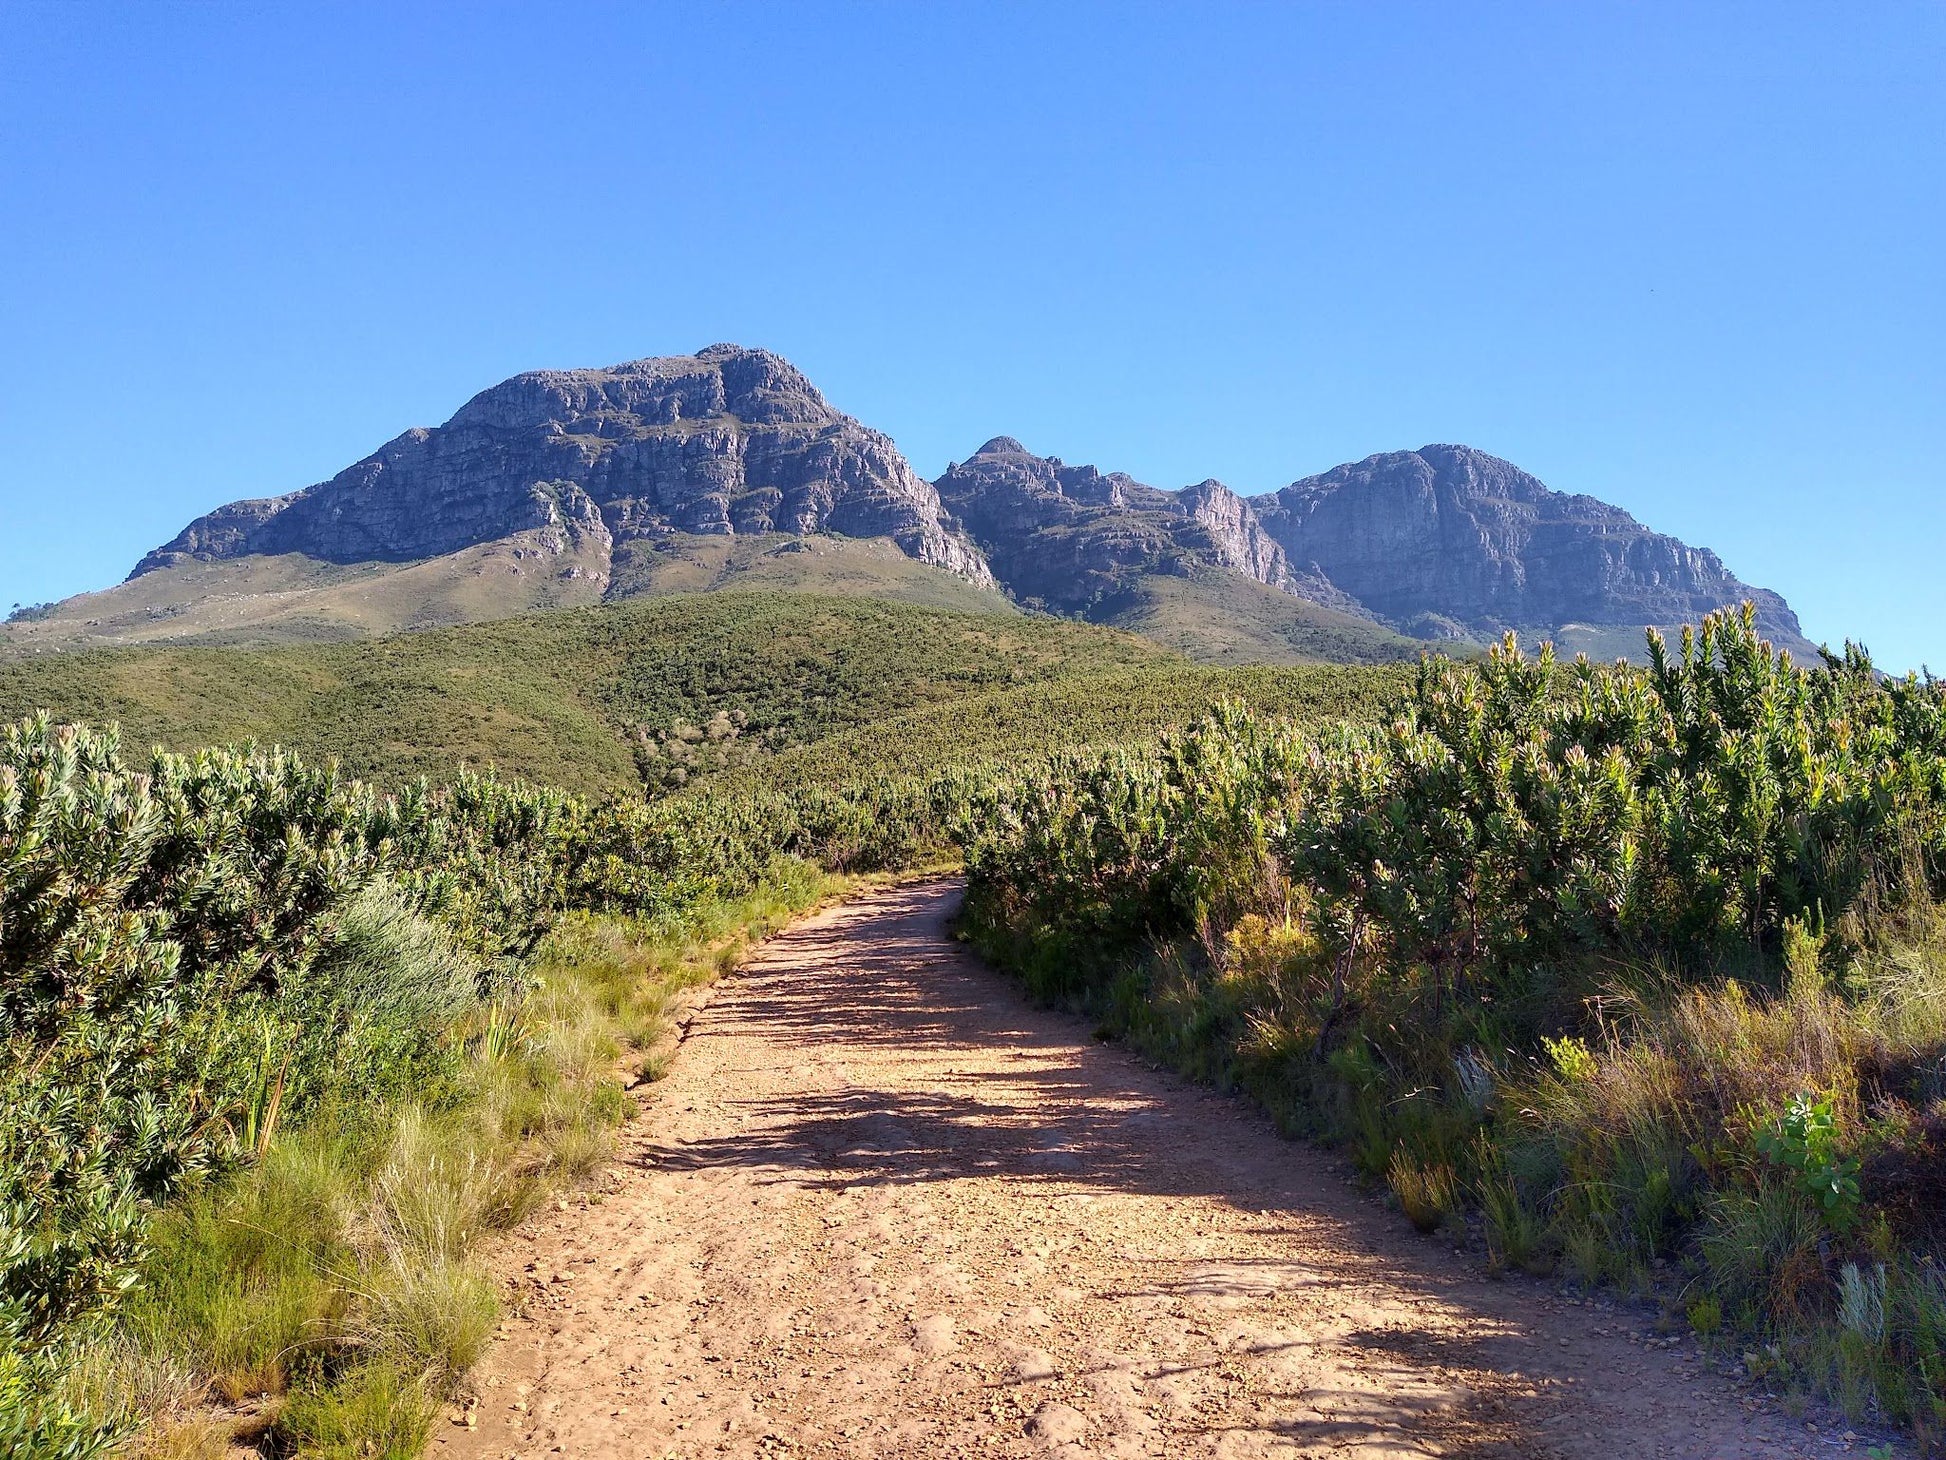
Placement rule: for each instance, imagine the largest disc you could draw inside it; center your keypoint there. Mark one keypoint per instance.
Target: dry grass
(1427, 1193)
(332, 1289)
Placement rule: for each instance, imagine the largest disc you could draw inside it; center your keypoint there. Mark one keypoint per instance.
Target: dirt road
(882, 1207)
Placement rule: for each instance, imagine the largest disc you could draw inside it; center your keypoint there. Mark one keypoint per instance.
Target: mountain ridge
(726, 440)
(582, 483)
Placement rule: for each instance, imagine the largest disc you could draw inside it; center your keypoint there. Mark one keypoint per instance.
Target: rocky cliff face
(1072, 537)
(725, 441)
(1451, 531)
(596, 466)
(1442, 543)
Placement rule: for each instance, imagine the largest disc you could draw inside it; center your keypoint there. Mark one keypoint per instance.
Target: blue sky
(1687, 258)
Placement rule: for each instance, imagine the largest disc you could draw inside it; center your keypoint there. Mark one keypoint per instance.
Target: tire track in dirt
(882, 1207)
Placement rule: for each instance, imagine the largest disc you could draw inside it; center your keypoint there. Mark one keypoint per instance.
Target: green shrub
(1804, 1141)
(1646, 961)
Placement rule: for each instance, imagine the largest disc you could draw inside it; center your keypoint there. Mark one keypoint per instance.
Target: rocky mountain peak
(1072, 536)
(1454, 531)
(752, 386)
(1237, 539)
(728, 440)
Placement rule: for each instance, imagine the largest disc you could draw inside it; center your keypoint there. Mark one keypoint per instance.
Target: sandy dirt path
(883, 1207)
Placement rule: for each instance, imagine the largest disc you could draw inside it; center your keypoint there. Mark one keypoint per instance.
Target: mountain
(1454, 532)
(727, 468)
(1442, 543)
(726, 441)
(1069, 537)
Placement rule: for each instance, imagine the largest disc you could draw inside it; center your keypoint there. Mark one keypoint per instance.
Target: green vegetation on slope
(776, 563)
(293, 599)
(573, 698)
(1008, 728)
(1639, 972)
(1216, 617)
(801, 668)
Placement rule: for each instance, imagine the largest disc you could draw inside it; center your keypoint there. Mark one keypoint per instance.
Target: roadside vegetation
(276, 1051)
(278, 1048)
(1634, 974)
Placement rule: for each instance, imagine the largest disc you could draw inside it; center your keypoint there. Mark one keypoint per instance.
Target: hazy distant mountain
(1450, 531)
(728, 467)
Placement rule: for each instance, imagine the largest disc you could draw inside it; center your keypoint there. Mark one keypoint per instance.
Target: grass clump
(1427, 1192)
(378, 1412)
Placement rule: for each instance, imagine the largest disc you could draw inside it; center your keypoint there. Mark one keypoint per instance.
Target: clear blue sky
(1689, 258)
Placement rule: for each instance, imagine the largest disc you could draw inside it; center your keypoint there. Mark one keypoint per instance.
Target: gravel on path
(882, 1206)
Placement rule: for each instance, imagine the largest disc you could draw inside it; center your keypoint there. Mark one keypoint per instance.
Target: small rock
(934, 1336)
(1055, 1423)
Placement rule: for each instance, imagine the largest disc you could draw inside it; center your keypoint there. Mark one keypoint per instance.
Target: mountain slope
(1019, 724)
(1453, 531)
(596, 700)
(1214, 617)
(727, 468)
(290, 598)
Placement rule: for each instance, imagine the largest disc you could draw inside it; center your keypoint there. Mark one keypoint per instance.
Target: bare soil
(883, 1207)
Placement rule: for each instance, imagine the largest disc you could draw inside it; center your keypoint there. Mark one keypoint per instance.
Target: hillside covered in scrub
(1629, 974)
(590, 700)
(656, 694)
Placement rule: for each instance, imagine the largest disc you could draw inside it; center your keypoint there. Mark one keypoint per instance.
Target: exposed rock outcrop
(1454, 532)
(1071, 537)
(728, 440)
(596, 466)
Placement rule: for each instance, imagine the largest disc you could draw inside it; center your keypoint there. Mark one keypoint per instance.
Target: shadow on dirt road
(881, 1206)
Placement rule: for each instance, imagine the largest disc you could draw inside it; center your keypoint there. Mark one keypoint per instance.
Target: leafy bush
(1804, 1141)
(148, 923)
(37, 1421)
